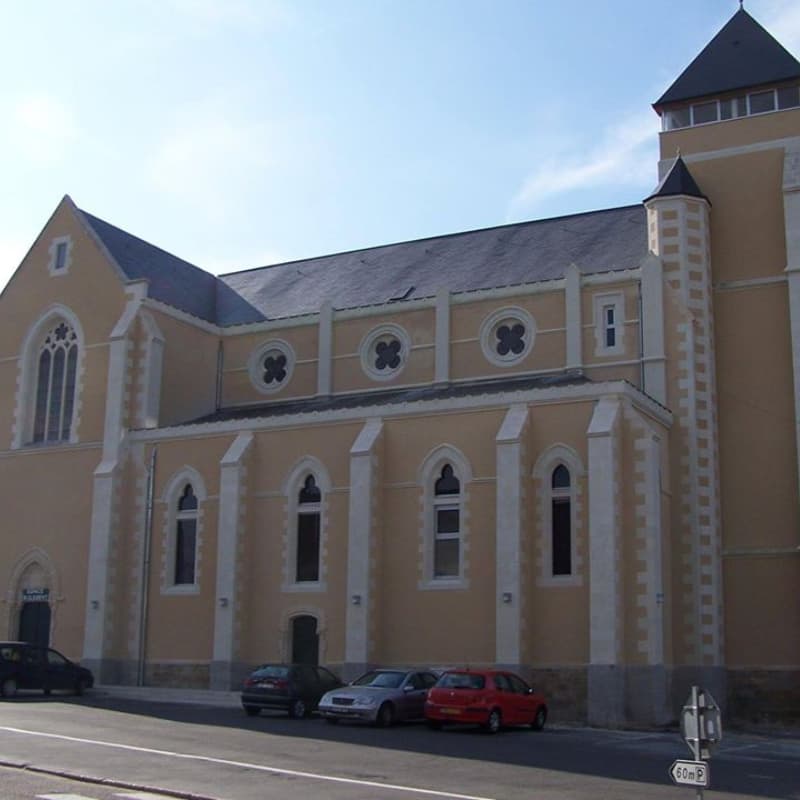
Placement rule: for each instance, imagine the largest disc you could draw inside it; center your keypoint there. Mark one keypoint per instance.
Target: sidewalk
(160, 694)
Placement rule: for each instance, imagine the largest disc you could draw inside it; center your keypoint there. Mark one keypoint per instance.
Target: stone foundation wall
(566, 690)
(177, 676)
(764, 695)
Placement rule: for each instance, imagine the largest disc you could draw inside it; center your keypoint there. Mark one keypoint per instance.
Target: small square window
(679, 118)
(762, 102)
(704, 112)
(789, 97)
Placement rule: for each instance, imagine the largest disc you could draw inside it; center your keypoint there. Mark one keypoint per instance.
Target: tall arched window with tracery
(185, 538)
(55, 384)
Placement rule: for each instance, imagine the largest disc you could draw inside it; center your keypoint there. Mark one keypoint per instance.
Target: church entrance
(34, 623)
(305, 640)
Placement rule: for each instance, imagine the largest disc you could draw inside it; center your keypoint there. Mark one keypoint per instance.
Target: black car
(30, 666)
(294, 688)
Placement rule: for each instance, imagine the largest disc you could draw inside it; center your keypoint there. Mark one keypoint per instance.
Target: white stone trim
(52, 267)
(325, 350)
(427, 474)
(232, 504)
(542, 473)
(510, 452)
(572, 393)
(652, 327)
(152, 359)
(511, 315)
(605, 582)
(572, 312)
(170, 496)
(308, 465)
(442, 336)
(255, 368)
(364, 462)
(22, 430)
(367, 353)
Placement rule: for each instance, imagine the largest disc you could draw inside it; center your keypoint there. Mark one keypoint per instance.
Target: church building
(568, 447)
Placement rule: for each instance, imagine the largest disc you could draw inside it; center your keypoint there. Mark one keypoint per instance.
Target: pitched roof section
(678, 181)
(598, 241)
(172, 280)
(742, 55)
(527, 252)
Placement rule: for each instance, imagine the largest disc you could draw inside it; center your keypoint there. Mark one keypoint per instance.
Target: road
(220, 754)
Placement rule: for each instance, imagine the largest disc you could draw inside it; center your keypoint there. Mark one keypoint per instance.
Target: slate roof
(390, 396)
(741, 56)
(678, 181)
(526, 252)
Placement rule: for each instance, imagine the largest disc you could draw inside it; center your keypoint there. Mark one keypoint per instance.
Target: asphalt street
(220, 754)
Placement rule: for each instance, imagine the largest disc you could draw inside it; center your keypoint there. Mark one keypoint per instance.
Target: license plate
(451, 711)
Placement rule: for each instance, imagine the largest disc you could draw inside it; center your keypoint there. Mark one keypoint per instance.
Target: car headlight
(364, 701)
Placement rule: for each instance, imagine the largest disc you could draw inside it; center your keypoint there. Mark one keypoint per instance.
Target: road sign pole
(696, 747)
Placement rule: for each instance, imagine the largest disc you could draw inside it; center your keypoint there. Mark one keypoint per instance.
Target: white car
(380, 696)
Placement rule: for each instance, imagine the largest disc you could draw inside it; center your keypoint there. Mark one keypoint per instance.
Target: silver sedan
(380, 696)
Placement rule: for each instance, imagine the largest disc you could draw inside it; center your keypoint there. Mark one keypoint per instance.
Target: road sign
(690, 773)
(701, 722)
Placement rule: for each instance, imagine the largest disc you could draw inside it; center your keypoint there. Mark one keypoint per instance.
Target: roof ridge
(429, 238)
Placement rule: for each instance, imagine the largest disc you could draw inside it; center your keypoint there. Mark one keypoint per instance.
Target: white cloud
(626, 156)
(782, 19)
(42, 128)
(209, 160)
(12, 251)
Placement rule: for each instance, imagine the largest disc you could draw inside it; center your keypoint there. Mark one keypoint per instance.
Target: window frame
(488, 335)
(367, 351)
(615, 302)
(56, 266)
(255, 366)
(306, 467)
(175, 489)
(431, 471)
(548, 462)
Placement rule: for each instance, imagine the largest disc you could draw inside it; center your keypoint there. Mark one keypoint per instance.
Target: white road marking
(140, 796)
(245, 765)
(63, 797)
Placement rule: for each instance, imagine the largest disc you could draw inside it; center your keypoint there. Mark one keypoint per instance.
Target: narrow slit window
(447, 525)
(308, 532)
(561, 521)
(186, 537)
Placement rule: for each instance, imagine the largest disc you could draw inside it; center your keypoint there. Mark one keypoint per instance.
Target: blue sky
(237, 133)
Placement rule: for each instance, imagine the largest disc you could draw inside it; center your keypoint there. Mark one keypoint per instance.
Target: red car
(487, 697)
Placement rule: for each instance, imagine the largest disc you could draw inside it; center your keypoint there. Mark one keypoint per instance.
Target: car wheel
(9, 687)
(433, 724)
(493, 721)
(251, 711)
(81, 685)
(385, 717)
(298, 709)
(540, 718)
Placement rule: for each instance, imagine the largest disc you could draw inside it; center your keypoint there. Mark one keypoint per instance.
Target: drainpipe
(145, 585)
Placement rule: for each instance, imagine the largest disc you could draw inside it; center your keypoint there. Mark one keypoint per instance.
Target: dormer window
(760, 102)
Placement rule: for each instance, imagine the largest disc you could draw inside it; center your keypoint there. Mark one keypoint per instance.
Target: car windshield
(271, 671)
(384, 680)
(461, 680)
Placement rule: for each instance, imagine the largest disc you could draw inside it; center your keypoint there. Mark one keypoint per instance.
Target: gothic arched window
(55, 384)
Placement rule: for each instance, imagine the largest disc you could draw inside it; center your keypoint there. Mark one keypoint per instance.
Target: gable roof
(527, 252)
(742, 55)
(508, 255)
(678, 181)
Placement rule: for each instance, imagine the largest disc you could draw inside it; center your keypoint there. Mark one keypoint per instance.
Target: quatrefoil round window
(384, 352)
(507, 336)
(271, 366)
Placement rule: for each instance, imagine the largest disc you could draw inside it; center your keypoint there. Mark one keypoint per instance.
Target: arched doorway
(305, 640)
(34, 623)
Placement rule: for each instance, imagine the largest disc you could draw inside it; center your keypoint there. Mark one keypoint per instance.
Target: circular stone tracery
(507, 336)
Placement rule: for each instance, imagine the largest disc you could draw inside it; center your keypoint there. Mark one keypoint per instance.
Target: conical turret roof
(678, 181)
